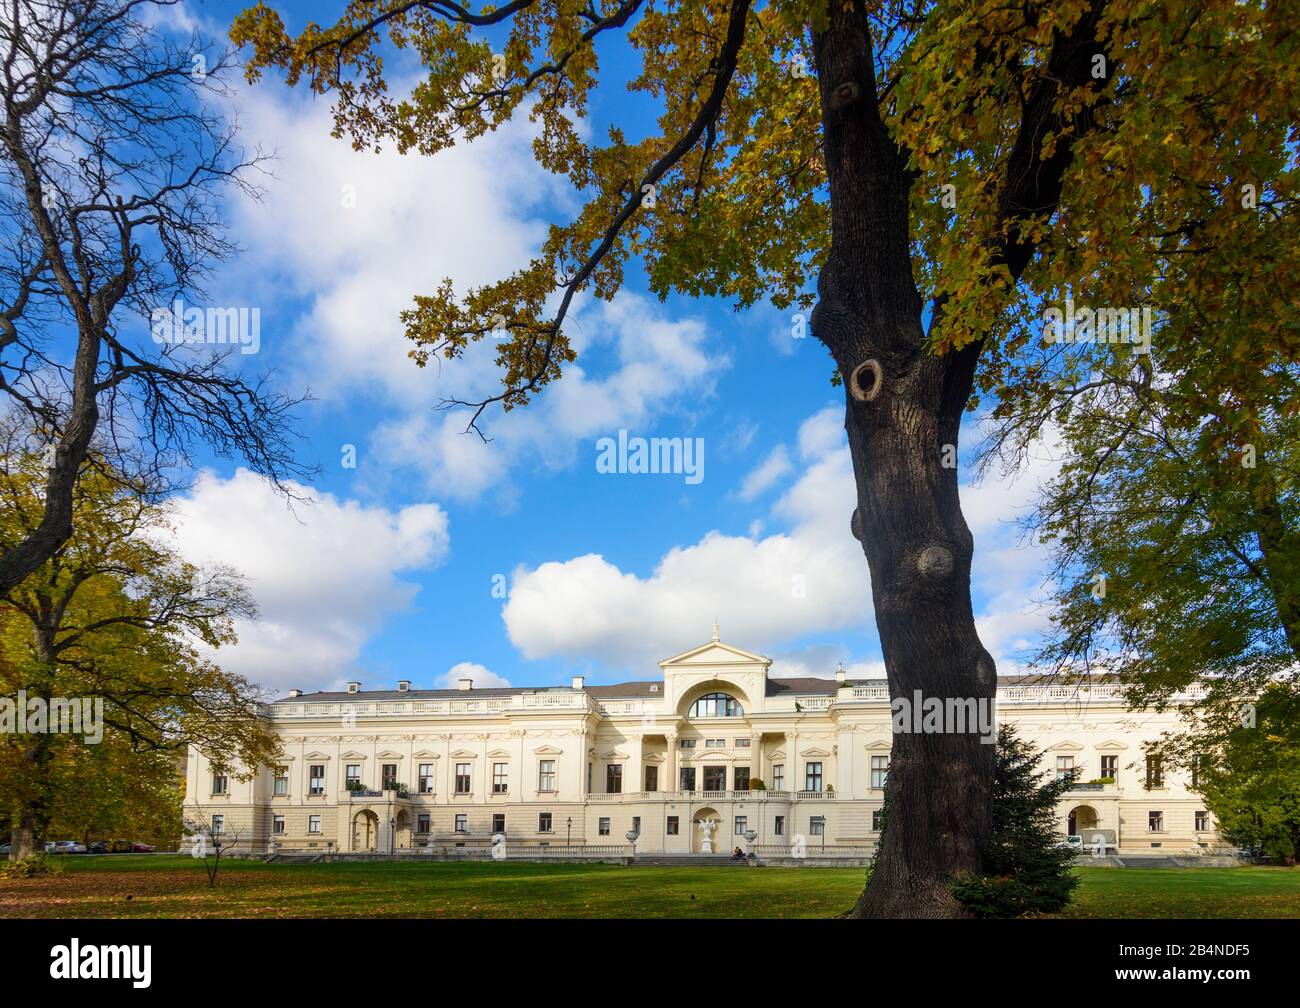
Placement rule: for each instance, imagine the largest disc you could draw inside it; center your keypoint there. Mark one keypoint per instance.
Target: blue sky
(390, 572)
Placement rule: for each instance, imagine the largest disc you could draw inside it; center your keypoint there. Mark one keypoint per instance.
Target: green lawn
(127, 886)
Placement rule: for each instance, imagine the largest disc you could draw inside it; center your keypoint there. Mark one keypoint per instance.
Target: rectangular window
(1155, 773)
(652, 778)
(424, 779)
(614, 778)
(588, 778)
(500, 778)
(879, 771)
(220, 782)
(688, 778)
(778, 776)
(602, 826)
(218, 824)
(462, 822)
(1155, 822)
(277, 824)
(812, 776)
(313, 824)
(422, 822)
(316, 779)
(636, 825)
(715, 743)
(352, 776)
(281, 781)
(1110, 767)
(546, 775)
(1202, 822)
(742, 743)
(1064, 768)
(740, 778)
(778, 826)
(877, 820)
(741, 824)
(687, 743)
(817, 825)
(715, 778)
(545, 824)
(671, 828)
(462, 778)
(388, 777)
(498, 822)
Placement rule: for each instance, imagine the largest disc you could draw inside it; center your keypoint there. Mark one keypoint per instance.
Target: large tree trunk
(904, 406)
(904, 413)
(35, 805)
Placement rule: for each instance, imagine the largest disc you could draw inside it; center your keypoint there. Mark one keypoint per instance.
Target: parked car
(67, 847)
(141, 848)
(1075, 843)
(4, 848)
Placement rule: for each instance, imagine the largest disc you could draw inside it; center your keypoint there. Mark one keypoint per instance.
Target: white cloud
(766, 474)
(325, 574)
(333, 281)
(587, 608)
(484, 678)
(761, 591)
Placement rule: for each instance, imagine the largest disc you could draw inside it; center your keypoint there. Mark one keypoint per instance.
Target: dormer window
(716, 705)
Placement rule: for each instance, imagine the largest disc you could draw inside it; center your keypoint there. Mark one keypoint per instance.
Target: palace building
(713, 753)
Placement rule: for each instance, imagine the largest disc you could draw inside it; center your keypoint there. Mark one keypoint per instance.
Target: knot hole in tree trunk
(866, 381)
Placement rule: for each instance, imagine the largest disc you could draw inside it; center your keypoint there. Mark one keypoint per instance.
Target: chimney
(577, 682)
(295, 693)
(841, 676)
(403, 685)
(465, 684)
(354, 687)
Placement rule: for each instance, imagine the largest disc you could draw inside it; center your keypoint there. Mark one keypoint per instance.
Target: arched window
(716, 705)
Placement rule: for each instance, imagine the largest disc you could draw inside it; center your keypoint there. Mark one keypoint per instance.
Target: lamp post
(392, 835)
(568, 831)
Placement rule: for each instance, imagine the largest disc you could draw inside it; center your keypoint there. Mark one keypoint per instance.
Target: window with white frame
(742, 743)
(1155, 822)
(741, 824)
(670, 829)
(1064, 768)
(545, 822)
(1110, 767)
(218, 825)
(500, 778)
(313, 824)
(352, 776)
(277, 825)
(498, 822)
(425, 779)
(388, 776)
(812, 776)
(778, 825)
(1202, 822)
(220, 783)
(778, 776)
(716, 705)
(602, 826)
(817, 825)
(462, 778)
(879, 771)
(546, 775)
(281, 787)
(422, 822)
(462, 822)
(316, 779)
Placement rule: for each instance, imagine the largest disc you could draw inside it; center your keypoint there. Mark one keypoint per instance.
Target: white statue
(708, 826)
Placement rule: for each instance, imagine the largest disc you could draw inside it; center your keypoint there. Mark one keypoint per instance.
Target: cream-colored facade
(801, 763)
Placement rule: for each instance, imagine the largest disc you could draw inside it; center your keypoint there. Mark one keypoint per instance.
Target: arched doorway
(402, 829)
(1082, 817)
(365, 830)
(699, 833)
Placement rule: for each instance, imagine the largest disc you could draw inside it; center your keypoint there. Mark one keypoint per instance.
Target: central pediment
(715, 653)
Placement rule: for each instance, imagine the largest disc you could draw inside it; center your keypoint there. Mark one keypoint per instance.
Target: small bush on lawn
(1026, 868)
(32, 867)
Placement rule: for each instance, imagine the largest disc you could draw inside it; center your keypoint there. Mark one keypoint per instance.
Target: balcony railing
(739, 796)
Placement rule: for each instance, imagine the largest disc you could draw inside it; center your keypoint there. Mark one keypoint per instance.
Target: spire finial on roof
(715, 630)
